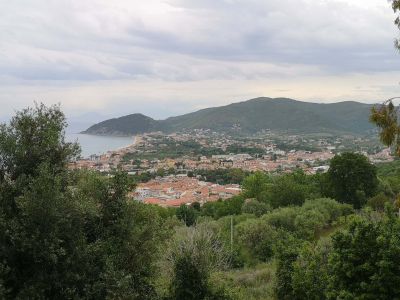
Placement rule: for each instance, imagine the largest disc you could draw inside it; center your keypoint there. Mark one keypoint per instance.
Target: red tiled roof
(153, 201)
(176, 202)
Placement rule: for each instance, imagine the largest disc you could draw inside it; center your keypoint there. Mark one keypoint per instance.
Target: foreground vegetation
(67, 234)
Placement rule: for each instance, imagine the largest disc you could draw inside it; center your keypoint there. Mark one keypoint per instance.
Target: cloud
(94, 54)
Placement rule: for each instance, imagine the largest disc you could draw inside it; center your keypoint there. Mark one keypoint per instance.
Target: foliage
(286, 256)
(352, 178)
(187, 214)
(286, 191)
(310, 271)
(256, 283)
(261, 236)
(35, 136)
(252, 206)
(221, 208)
(68, 236)
(363, 261)
(194, 253)
(396, 9)
(378, 202)
(255, 186)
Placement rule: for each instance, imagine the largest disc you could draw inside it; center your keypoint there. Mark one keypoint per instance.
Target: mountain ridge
(254, 115)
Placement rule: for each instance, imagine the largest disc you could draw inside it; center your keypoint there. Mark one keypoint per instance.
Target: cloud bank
(168, 57)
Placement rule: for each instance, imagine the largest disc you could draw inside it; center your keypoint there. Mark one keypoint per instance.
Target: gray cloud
(48, 47)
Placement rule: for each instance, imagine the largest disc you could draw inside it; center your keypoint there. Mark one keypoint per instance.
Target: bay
(93, 144)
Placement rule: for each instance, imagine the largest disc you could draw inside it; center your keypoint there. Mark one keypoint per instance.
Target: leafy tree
(285, 192)
(221, 208)
(287, 256)
(255, 185)
(259, 238)
(310, 271)
(352, 178)
(187, 214)
(363, 263)
(385, 118)
(396, 9)
(68, 236)
(35, 136)
(378, 202)
(194, 253)
(252, 206)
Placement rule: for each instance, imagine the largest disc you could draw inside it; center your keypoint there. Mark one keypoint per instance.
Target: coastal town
(180, 189)
(173, 159)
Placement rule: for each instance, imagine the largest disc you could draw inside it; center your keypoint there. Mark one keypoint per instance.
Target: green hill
(279, 114)
(124, 126)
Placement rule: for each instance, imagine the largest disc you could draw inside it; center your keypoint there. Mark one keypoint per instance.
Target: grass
(255, 283)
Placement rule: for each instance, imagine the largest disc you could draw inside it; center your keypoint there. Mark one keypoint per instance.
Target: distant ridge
(251, 116)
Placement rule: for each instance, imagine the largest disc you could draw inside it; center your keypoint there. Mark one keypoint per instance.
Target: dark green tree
(287, 254)
(310, 271)
(352, 178)
(252, 206)
(285, 192)
(193, 254)
(67, 235)
(187, 214)
(255, 186)
(364, 260)
(221, 208)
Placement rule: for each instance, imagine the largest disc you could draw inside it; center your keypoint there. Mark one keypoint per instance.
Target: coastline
(97, 145)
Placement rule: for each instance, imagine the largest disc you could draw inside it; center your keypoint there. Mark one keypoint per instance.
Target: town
(173, 159)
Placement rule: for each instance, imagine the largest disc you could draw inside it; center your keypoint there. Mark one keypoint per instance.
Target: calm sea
(93, 144)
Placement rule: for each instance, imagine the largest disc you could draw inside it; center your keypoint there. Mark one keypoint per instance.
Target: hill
(278, 114)
(124, 126)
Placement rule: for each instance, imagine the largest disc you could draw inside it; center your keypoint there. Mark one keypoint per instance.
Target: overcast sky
(164, 58)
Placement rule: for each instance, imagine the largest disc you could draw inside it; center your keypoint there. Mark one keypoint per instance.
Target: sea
(93, 144)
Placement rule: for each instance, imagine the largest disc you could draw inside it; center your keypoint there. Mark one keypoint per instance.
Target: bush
(364, 260)
(252, 206)
(193, 254)
(310, 271)
(285, 192)
(378, 202)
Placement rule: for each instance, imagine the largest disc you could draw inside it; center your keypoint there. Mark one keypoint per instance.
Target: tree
(259, 238)
(385, 118)
(286, 257)
(194, 253)
(378, 202)
(396, 8)
(221, 208)
(255, 186)
(364, 260)
(68, 235)
(352, 178)
(35, 136)
(285, 192)
(252, 206)
(187, 214)
(310, 271)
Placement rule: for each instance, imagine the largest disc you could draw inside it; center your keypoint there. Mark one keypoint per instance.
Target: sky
(101, 58)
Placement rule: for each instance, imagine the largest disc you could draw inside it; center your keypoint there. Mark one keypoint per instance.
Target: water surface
(93, 144)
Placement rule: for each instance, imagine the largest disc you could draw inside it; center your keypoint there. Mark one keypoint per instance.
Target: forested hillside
(251, 116)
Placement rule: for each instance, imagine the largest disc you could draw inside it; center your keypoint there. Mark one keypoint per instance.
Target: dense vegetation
(75, 234)
(254, 115)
